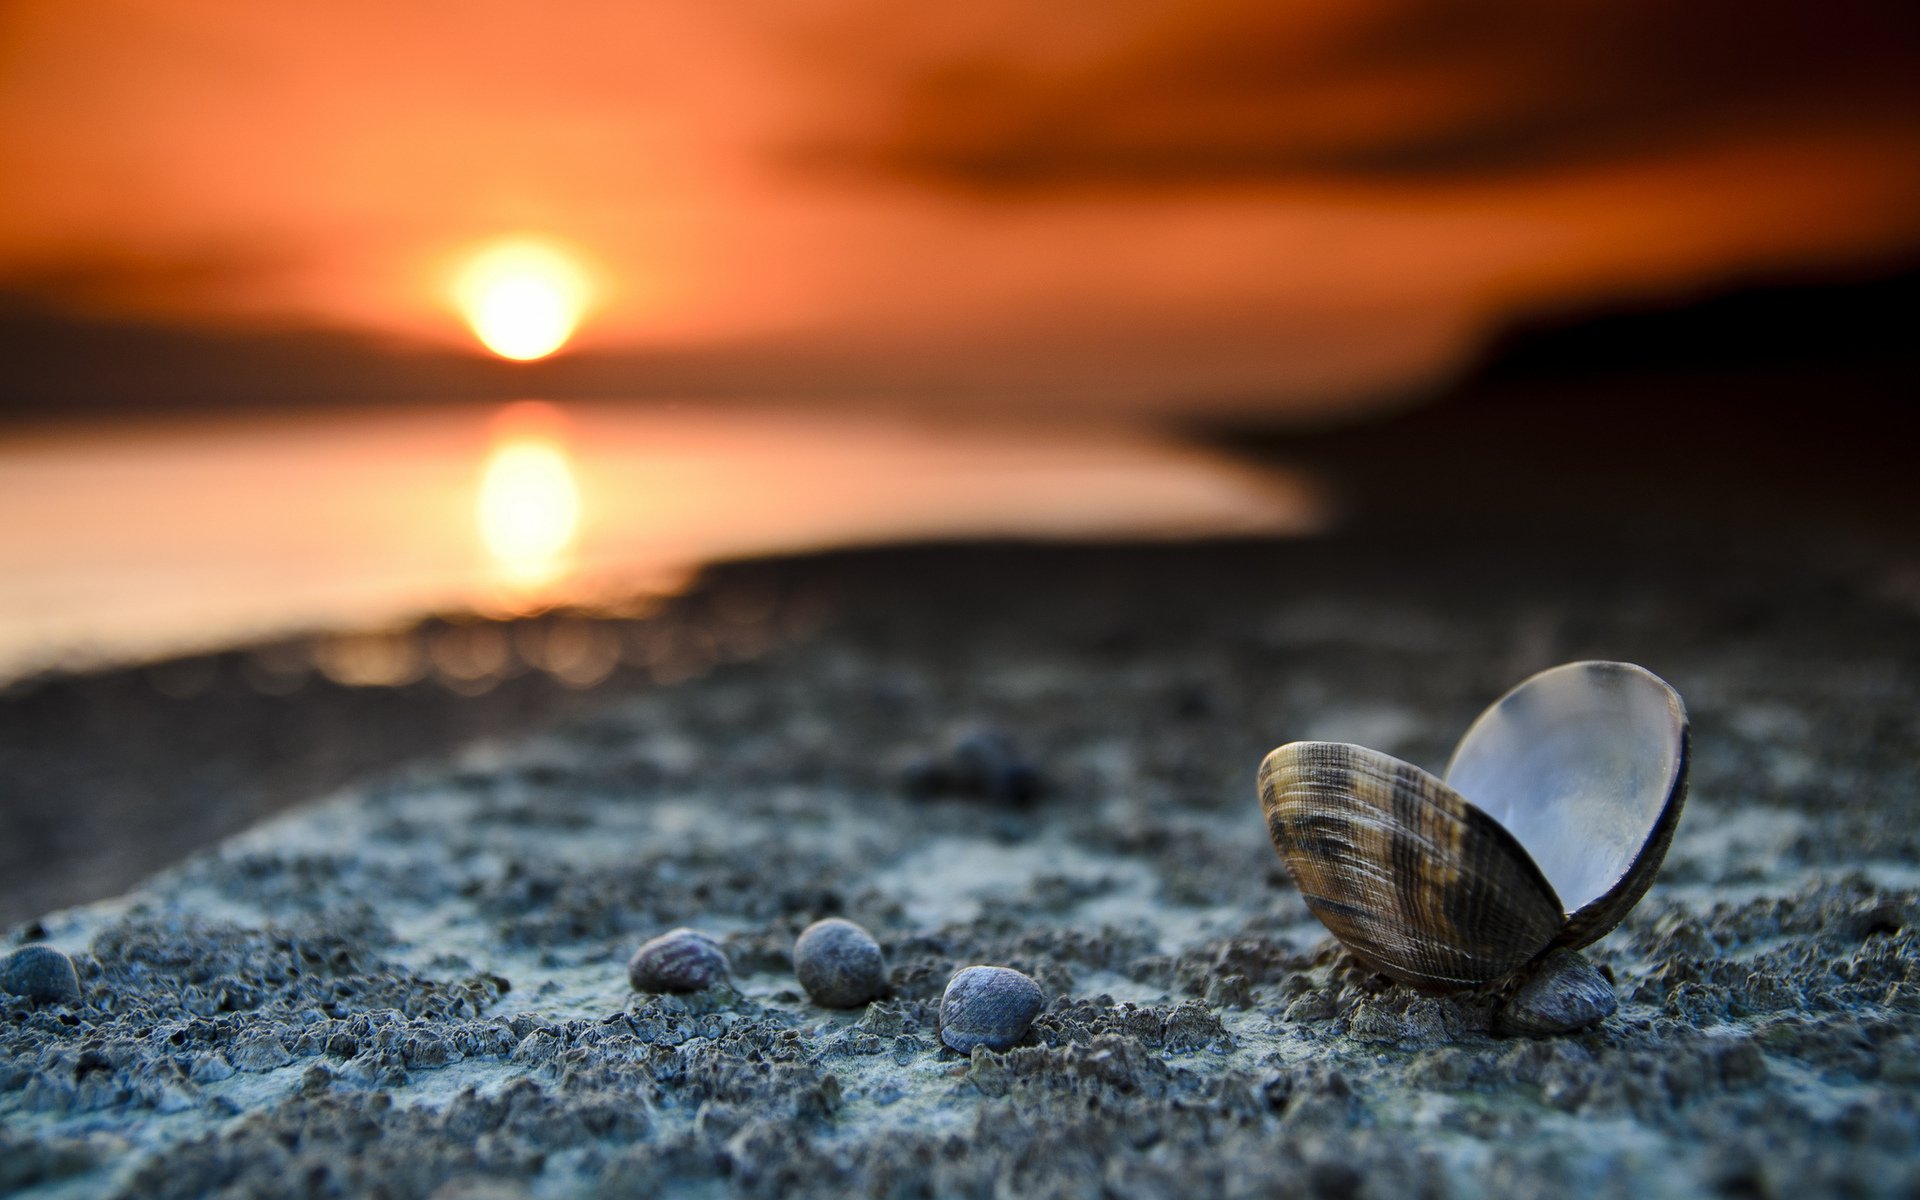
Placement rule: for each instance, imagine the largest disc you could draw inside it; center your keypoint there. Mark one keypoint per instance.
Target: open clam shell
(1556, 812)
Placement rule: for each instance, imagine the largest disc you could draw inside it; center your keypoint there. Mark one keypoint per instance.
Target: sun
(523, 297)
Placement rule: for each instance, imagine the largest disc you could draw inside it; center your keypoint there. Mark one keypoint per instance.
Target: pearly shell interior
(1585, 764)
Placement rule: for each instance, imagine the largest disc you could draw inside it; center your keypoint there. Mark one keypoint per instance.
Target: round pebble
(991, 765)
(839, 964)
(988, 1006)
(679, 961)
(41, 973)
(983, 763)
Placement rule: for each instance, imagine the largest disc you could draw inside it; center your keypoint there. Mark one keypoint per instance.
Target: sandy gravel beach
(417, 987)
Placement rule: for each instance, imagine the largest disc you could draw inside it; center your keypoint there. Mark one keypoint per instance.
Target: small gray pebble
(988, 1006)
(992, 766)
(839, 964)
(41, 973)
(983, 763)
(679, 961)
(1565, 993)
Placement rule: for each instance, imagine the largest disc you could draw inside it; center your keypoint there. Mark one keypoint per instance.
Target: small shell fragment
(41, 973)
(988, 1006)
(678, 961)
(1563, 994)
(839, 963)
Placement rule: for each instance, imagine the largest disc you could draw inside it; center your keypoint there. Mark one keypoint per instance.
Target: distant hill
(1857, 323)
(1789, 398)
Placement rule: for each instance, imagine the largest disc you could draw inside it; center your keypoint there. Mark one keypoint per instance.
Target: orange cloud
(1156, 203)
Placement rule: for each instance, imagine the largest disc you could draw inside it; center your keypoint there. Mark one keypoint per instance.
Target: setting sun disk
(523, 298)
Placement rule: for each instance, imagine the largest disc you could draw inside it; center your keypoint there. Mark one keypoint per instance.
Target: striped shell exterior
(1551, 823)
(681, 960)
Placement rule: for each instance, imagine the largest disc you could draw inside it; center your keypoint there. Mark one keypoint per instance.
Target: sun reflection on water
(529, 502)
(139, 544)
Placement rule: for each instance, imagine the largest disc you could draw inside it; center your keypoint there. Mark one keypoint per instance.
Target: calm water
(160, 539)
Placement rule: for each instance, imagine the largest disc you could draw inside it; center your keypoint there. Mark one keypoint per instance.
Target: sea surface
(144, 540)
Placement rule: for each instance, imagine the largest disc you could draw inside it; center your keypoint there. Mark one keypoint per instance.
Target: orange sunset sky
(1144, 202)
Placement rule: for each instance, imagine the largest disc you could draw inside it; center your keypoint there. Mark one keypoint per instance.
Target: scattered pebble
(41, 973)
(988, 1006)
(679, 961)
(839, 964)
(983, 763)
